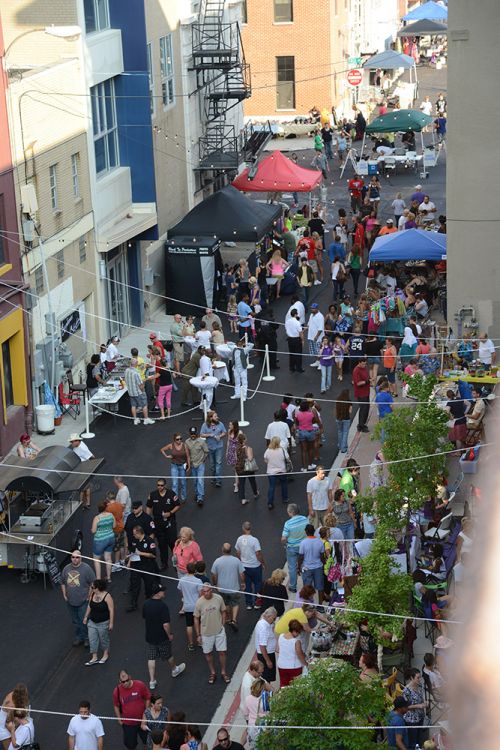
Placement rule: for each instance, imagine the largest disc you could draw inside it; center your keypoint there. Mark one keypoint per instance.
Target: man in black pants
(295, 338)
(144, 549)
(163, 504)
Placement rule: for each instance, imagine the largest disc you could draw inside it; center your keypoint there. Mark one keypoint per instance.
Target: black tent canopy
(49, 472)
(424, 27)
(227, 215)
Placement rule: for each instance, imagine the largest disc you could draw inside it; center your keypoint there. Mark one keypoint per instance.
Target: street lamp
(69, 33)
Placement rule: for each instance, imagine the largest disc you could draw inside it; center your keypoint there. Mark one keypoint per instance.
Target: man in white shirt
(112, 354)
(427, 209)
(78, 446)
(203, 336)
(249, 551)
(280, 429)
(206, 371)
(426, 106)
(295, 337)
(85, 731)
(486, 352)
(299, 306)
(403, 219)
(315, 332)
(254, 672)
(319, 497)
(265, 643)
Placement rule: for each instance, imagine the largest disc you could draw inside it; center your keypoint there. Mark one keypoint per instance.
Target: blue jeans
(273, 480)
(347, 529)
(305, 294)
(253, 583)
(326, 377)
(342, 434)
(338, 289)
(328, 149)
(215, 462)
(179, 473)
(199, 473)
(77, 615)
(292, 558)
(314, 578)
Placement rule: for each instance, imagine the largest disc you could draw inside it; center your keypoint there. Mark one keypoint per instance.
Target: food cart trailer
(40, 501)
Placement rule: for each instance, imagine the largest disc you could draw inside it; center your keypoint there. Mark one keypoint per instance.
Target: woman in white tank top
(291, 657)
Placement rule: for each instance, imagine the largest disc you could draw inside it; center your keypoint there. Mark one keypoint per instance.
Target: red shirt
(131, 701)
(360, 375)
(355, 186)
(157, 343)
(307, 243)
(359, 236)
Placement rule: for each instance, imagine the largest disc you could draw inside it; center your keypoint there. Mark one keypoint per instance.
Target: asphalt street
(36, 630)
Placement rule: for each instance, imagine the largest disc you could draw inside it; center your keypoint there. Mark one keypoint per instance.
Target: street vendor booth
(400, 121)
(40, 499)
(430, 10)
(423, 27)
(412, 244)
(278, 174)
(193, 267)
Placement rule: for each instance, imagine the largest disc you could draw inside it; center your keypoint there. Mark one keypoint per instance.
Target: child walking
(326, 363)
(232, 309)
(339, 353)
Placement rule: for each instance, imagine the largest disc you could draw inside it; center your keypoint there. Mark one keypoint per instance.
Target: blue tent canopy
(431, 11)
(412, 244)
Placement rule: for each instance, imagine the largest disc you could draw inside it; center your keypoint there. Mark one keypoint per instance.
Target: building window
(167, 70)
(82, 248)
(104, 126)
(60, 264)
(285, 83)
(3, 241)
(151, 82)
(96, 15)
(283, 11)
(53, 187)
(75, 168)
(39, 283)
(8, 387)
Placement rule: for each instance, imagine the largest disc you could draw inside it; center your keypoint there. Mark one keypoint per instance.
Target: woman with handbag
(246, 466)
(22, 731)
(278, 464)
(256, 706)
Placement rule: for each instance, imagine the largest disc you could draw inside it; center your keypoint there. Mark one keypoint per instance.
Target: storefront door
(118, 307)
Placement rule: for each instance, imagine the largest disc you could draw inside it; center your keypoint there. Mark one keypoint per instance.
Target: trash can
(45, 419)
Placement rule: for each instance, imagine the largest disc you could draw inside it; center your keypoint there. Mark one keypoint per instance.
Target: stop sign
(354, 77)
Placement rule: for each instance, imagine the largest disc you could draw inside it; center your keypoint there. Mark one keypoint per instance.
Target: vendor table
(220, 371)
(109, 394)
(345, 649)
(488, 379)
(191, 342)
(205, 384)
(224, 351)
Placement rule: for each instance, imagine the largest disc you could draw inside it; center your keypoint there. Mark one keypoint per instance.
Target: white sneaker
(317, 282)
(314, 364)
(178, 670)
(115, 568)
(235, 396)
(303, 468)
(137, 421)
(152, 684)
(311, 467)
(149, 421)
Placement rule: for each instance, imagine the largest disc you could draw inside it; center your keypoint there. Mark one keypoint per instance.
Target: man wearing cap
(240, 363)
(315, 332)
(418, 196)
(198, 452)
(84, 454)
(158, 634)
(138, 517)
(155, 341)
(162, 505)
(136, 392)
(388, 229)
(210, 318)
(397, 731)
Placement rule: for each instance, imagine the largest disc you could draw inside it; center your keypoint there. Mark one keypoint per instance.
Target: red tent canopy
(275, 174)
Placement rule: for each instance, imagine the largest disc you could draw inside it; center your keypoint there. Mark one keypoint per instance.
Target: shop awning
(399, 120)
(49, 472)
(275, 174)
(389, 60)
(228, 215)
(424, 27)
(430, 11)
(141, 217)
(412, 244)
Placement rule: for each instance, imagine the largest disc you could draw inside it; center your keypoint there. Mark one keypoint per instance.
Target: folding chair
(441, 531)
(389, 163)
(69, 403)
(457, 483)
(79, 388)
(475, 435)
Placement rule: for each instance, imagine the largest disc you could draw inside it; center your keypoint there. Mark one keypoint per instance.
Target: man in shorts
(158, 634)
(228, 574)
(209, 619)
(176, 328)
(136, 392)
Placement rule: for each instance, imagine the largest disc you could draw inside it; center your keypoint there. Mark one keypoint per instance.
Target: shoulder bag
(288, 462)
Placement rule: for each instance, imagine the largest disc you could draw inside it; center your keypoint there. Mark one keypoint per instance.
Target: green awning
(400, 120)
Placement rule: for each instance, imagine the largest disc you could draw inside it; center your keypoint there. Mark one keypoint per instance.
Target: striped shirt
(294, 530)
(133, 381)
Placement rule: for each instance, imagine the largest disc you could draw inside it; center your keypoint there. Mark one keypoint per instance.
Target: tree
(380, 589)
(331, 694)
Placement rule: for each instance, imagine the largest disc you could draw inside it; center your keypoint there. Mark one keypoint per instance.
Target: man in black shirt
(142, 563)
(163, 504)
(356, 347)
(138, 518)
(158, 634)
(316, 224)
(224, 741)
